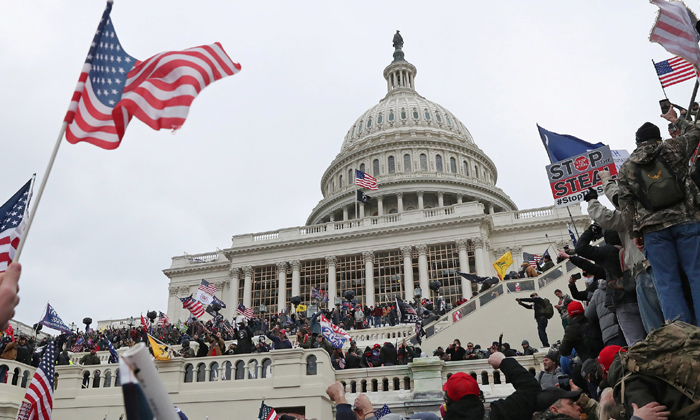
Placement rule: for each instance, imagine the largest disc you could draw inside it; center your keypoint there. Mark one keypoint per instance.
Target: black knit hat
(648, 131)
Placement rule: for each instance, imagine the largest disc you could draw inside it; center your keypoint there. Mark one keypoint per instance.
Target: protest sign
(619, 156)
(570, 178)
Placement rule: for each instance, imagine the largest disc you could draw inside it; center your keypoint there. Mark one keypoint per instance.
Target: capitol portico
(438, 210)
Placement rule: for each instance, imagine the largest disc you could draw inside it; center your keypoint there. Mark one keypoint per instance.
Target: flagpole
(692, 99)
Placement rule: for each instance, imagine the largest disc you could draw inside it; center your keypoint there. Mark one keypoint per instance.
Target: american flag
(246, 312)
(674, 70)
(40, 391)
(365, 181)
(12, 223)
(532, 259)
(382, 412)
(207, 288)
(675, 31)
(114, 87)
(195, 308)
(267, 412)
(78, 346)
(162, 318)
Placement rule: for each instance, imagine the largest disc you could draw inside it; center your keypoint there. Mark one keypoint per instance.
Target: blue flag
(563, 146)
(113, 355)
(382, 412)
(571, 234)
(52, 320)
(219, 301)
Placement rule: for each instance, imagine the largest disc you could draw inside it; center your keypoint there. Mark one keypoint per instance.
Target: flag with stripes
(162, 319)
(78, 346)
(364, 180)
(195, 308)
(40, 390)
(675, 30)
(114, 87)
(532, 259)
(205, 292)
(12, 223)
(267, 412)
(246, 312)
(113, 355)
(674, 70)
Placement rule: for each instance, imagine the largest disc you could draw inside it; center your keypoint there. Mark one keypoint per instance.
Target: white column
(332, 284)
(459, 199)
(406, 251)
(420, 200)
(423, 270)
(231, 297)
(248, 287)
(441, 201)
(479, 255)
(464, 267)
(399, 199)
(380, 205)
(296, 282)
(281, 286)
(345, 215)
(362, 210)
(369, 278)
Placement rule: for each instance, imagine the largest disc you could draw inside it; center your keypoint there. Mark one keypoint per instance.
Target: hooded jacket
(597, 312)
(676, 152)
(582, 336)
(468, 408)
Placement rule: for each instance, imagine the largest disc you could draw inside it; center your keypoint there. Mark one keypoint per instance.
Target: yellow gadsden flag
(160, 351)
(502, 264)
(301, 308)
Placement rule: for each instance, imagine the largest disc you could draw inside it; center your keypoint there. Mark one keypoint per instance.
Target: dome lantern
(400, 74)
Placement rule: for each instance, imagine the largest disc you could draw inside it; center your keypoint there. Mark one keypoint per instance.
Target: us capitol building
(438, 210)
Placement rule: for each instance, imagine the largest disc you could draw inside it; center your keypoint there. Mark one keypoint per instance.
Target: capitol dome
(422, 156)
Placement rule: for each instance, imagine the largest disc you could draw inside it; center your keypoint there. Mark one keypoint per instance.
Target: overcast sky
(251, 154)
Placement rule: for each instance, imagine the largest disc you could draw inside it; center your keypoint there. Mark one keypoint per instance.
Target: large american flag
(207, 287)
(162, 319)
(267, 412)
(675, 31)
(674, 70)
(40, 390)
(532, 259)
(246, 312)
(12, 224)
(195, 308)
(365, 181)
(114, 87)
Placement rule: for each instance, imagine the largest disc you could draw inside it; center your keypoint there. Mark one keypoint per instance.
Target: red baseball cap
(606, 357)
(459, 385)
(574, 308)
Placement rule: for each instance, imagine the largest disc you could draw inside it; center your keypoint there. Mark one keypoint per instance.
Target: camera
(576, 276)
(563, 381)
(665, 105)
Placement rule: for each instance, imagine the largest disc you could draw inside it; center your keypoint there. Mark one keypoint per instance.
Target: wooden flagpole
(39, 193)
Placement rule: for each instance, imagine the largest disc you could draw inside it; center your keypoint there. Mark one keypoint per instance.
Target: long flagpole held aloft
(40, 192)
(692, 99)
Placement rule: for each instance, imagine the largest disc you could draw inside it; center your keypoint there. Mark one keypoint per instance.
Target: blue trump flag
(52, 320)
(563, 146)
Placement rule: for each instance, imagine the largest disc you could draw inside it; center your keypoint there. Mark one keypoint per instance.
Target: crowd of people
(618, 358)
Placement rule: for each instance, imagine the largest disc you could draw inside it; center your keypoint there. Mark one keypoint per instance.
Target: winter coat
(203, 349)
(606, 255)
(538, 304)
(10, 352)
(24, 354)
(216, 347)
(582, 336)
(468, 408)
(676, 152)
(521, 403)
(548, 379)
(244, 337)
(90, 359)
(388, 354)
(597, 312)
(584, 295)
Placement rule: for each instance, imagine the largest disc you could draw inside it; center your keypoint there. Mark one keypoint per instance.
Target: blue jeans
(670, 250)
(542, 330)
(377, 321)
(648, 300)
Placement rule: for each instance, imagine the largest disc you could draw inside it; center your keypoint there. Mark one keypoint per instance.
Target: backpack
(659, 186)
(548, 310)
(663, 354)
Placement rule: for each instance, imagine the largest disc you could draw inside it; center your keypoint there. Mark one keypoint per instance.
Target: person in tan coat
(216, 344)
(528, 269)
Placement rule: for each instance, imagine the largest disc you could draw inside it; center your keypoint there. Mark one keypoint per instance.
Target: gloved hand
(591, 194)
(596, 230)
(604, 175)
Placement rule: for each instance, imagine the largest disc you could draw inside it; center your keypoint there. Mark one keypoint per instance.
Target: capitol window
(359, 128)
(449, 121)
(362, 167)
(407, 163)
(438, 163)
(391, 116)
(415, 113)
(369, 123)
(465, 167)
(403, 114)
(453, 165)
(476, 171)
(423, 162)
(427, 115)
(340, 181)
(437, 117)
(375, 167)
(392, 165)
(379, 119)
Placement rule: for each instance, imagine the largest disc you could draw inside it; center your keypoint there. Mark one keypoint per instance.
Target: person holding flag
(543, 312)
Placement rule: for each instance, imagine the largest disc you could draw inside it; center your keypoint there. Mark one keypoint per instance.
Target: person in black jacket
(539, 305)
(388, 354)
(521, 403)
(203, 349)
(581, 335)
(608, 256)
(244, 335)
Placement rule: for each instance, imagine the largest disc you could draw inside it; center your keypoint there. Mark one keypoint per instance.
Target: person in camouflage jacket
(670, 237)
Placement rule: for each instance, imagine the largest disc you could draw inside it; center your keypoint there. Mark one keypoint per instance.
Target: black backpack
(659, 185)
(548, 309)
